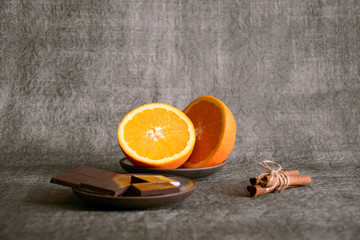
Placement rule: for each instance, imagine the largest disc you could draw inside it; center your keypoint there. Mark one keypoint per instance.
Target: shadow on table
(66, 200)
(240, 190)
(63, 199)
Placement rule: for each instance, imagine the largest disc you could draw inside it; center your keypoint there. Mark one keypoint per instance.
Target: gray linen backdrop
(288, 69)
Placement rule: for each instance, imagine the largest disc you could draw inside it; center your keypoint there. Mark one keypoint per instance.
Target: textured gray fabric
(289, 70)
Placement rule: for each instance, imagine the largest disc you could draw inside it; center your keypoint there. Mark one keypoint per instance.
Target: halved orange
(156, 135)
(215, 129)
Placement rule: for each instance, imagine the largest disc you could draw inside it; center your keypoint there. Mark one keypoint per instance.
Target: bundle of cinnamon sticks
(266, 184)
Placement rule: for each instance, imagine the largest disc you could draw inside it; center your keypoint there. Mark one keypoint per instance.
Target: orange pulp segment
(156, 135)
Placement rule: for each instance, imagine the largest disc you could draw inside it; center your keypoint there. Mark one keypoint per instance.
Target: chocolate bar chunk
(152, 189)
(74, 177)
(94, 180)
(111, 184)
(153, 179)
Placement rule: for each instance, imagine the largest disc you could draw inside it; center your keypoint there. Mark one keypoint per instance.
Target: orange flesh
(156, 133)
(208, 127)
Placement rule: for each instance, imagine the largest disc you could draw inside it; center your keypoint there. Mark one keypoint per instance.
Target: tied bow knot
(279, 179)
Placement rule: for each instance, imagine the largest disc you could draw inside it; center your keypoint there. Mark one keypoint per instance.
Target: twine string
(281, 179)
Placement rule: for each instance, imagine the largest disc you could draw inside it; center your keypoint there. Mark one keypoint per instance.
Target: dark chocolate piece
(68, 179)
(111, 184)
(74, 177)
(154, 179)
(152, 189)
(94, 180)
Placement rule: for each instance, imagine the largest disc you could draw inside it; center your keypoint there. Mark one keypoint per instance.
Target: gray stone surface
(289, 70)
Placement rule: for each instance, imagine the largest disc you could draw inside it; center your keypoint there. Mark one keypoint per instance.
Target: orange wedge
(156, 135)
(215, 132)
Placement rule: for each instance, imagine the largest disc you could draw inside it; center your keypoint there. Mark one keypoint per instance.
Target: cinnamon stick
(256, 180)
(257, 190)
(294, 180)
(275, 180)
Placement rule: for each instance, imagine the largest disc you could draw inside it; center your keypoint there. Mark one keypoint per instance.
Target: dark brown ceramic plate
(184, 172)
(126, 202)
